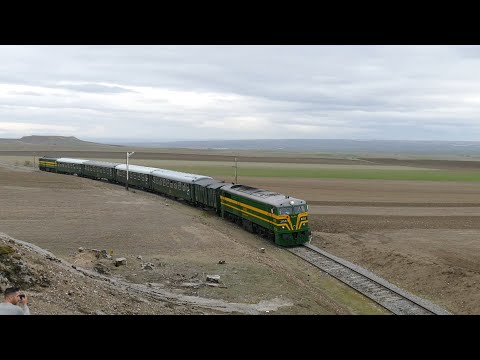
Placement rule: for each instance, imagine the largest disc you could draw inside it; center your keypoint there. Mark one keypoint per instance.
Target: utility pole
(236, 170)
(34, 160)
(128, 155)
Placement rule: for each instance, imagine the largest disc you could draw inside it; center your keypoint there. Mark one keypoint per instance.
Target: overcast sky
(158, 93)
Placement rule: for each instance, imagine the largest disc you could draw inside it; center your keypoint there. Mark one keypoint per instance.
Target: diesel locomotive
(273, 215)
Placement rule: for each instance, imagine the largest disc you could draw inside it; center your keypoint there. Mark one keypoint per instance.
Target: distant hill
(53, 143)
(358, 148)
(339, 146)
(53, 140)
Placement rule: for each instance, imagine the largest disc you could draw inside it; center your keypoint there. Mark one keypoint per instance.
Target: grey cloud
(95, 88)
(380, 91)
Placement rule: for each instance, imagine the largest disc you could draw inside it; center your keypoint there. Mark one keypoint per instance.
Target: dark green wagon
(100, 170)
(70, 166)
(177, 184)
(138, 176)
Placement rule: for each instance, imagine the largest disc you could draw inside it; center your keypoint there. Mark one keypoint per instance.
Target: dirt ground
(245, 156)
(181, 245)
(422, 236)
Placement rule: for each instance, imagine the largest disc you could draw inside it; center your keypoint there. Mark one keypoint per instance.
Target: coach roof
(102, 164)
(72, 161)
(178, 176)
(136, 168)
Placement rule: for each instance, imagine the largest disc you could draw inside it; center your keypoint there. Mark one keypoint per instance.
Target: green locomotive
(277, 216)
(273, 215)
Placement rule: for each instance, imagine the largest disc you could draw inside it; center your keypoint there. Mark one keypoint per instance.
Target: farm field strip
(395, 211)
(311, 171)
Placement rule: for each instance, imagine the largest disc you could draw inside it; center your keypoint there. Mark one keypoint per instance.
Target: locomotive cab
(293, 223)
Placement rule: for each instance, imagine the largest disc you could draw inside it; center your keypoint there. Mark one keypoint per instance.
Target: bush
(27, 163)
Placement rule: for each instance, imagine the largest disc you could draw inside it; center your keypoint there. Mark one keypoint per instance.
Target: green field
(225, 171)
(423, 175)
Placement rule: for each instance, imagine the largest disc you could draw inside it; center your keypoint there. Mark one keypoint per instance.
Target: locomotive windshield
(289, 210)
(299, 209)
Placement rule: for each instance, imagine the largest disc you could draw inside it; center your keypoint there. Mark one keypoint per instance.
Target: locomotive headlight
(303, 218)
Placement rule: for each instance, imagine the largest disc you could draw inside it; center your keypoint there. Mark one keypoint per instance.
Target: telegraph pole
(236, 170)
(128, 155)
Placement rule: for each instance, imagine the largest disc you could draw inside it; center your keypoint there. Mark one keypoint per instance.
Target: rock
(139, 257)
(5, 250)
(52, 258)
(147, 266)
(105, 254)
(81, 249)
(3, 280)
(213, 278)
(221, 262)
(120, 261)
(191, 285)
(101, 268)
(262, 250)
(99, 312)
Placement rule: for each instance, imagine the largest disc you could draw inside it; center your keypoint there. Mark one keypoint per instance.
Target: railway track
(392, 298)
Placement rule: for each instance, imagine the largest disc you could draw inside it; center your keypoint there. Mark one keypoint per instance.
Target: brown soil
(242, 156)
(61, 213)
(431, 251)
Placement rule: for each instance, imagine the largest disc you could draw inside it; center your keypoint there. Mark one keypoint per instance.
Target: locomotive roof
(178, 176)
(136, 168)
(72, 161)
(265, 196)
(103, 164)
(48, 158)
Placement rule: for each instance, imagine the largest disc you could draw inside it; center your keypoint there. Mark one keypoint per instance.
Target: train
(272, 215)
